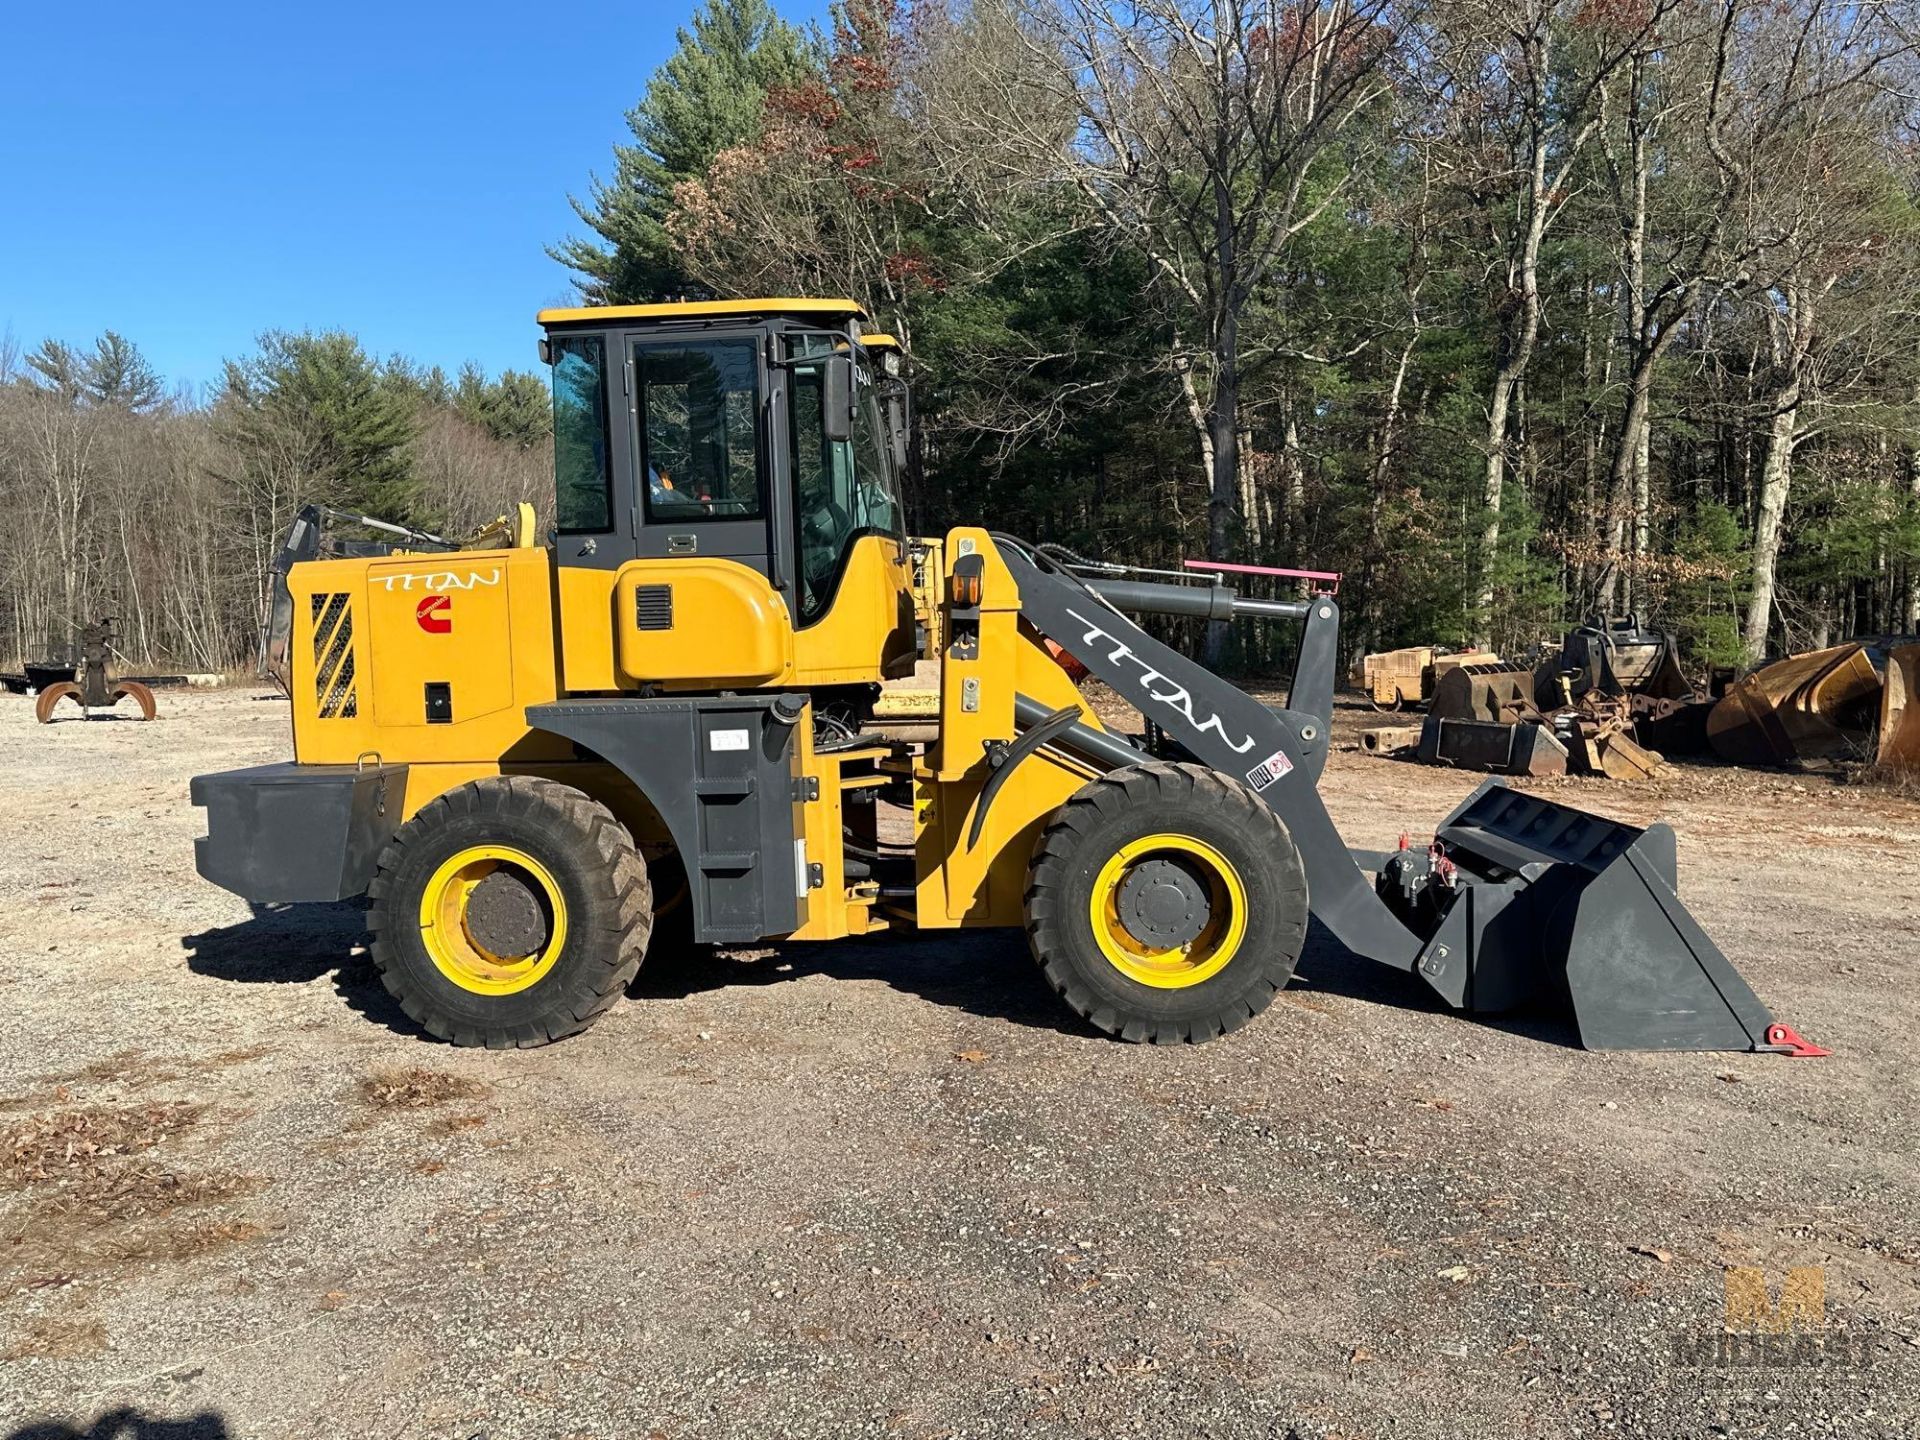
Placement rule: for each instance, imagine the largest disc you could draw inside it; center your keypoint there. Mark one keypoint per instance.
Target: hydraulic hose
(1083, 740)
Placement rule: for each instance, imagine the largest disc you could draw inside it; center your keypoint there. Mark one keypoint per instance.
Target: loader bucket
(1900, 712)
(1477, 692)
(1550, 900)
(1514, 748)
(1807, 707)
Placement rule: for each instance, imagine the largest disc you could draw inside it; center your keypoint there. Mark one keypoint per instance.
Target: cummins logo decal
(435, 615)
(1163, 689)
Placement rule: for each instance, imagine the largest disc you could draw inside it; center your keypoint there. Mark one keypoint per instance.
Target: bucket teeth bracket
(1783, 1039)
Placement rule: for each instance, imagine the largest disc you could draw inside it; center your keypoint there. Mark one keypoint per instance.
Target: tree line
(1509, 309)
(163, 508)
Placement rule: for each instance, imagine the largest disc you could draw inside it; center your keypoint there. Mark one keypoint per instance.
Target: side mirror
(836, 400)
(546, 351)
(897, 427)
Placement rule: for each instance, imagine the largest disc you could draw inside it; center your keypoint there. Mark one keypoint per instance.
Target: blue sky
(193, 174)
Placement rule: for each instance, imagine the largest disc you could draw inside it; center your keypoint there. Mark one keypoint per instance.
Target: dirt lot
(890, 1189)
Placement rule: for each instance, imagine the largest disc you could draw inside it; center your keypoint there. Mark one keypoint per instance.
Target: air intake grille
(333, 688)
(653, 607)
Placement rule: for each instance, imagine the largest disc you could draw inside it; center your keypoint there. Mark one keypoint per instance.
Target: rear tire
(509, 912)
(1166, 903)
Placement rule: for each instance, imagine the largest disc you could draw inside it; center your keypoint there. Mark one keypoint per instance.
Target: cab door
(701, 440)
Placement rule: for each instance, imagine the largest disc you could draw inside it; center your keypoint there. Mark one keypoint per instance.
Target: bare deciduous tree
(1209, 134)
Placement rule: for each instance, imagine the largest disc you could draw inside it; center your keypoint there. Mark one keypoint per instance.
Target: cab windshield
(843, 489)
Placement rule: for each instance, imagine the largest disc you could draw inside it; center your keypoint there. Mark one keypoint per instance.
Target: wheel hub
(1163, 903)
(505, 916)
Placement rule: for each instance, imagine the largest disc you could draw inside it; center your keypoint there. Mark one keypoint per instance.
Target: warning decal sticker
(1269, 770)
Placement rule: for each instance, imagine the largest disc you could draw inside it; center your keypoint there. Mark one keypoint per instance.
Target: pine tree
(118, 374)
(515, 408)
(705, 98)
(114, 374)
(319, 407)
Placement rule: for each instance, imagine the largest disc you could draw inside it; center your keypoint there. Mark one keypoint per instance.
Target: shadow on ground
(129, 1425)
(296, 945)
(988, 973)
(1329, 968)
(983, 972)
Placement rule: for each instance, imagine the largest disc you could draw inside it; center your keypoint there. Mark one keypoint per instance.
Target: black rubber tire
(1139, 800)
(672, 941)
(602, 881)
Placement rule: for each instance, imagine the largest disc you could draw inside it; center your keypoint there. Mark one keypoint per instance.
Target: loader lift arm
(1519, 897)
(1279, 753)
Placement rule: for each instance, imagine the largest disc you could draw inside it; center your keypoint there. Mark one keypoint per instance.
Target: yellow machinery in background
(657, 725)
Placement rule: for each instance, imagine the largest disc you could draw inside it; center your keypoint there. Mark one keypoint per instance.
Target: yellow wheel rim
(449, 940)
(1171, 967)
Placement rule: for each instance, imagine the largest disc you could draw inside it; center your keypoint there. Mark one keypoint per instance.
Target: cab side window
(580, 437)
(700, 412)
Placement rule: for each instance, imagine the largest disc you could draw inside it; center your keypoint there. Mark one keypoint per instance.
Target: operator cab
(754, 431)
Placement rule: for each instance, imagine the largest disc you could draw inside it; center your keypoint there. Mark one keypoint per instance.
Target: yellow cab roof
(703, 310)
(881, 342)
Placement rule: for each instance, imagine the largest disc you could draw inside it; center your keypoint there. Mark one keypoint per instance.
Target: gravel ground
(891, 1189)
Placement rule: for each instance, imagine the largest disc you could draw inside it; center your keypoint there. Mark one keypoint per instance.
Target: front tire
(1166, 903)
(509, 912)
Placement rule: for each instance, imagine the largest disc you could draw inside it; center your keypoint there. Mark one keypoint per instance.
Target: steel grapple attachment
(1523, 900)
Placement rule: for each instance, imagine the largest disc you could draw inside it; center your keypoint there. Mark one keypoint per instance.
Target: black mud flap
(1550, 899)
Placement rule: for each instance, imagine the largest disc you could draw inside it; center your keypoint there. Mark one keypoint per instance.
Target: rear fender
(721, 772)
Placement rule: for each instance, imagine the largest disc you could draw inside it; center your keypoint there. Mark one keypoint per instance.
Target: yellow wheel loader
(538, 759)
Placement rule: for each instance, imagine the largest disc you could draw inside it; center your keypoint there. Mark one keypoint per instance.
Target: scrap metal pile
(1593, 707)
(1613, 701)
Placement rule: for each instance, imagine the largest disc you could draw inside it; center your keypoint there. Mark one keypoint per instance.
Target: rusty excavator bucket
(1816, 706)
(1900, 712)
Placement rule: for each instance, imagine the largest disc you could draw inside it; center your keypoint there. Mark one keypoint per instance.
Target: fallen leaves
(73, 1144)
(101, 1195)
(1458, 1274)
(415, 1088)
(55, 1338)
(1653, 1252)
(971, 1057)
